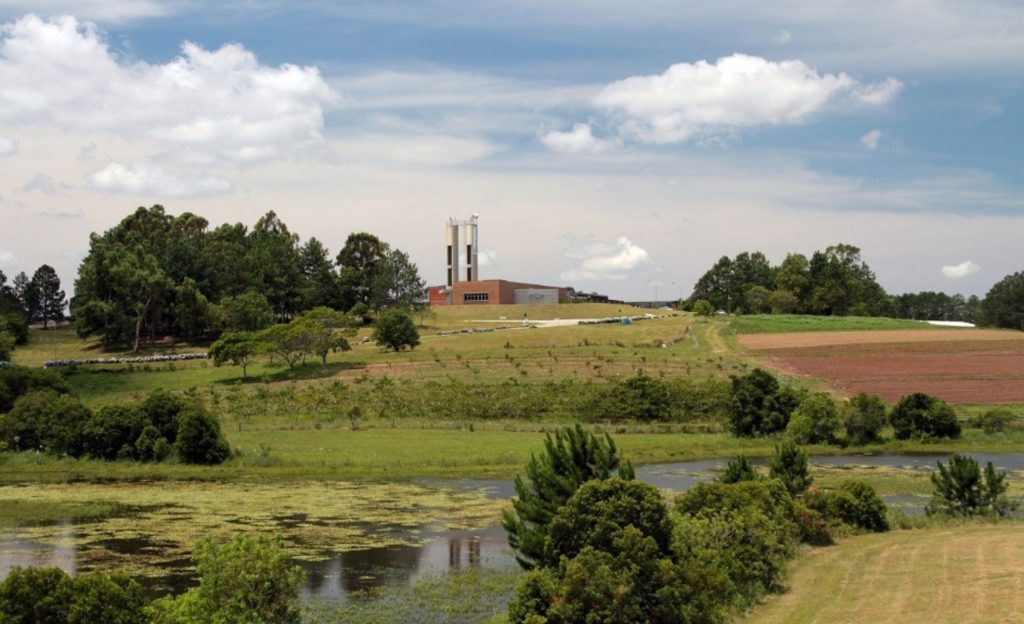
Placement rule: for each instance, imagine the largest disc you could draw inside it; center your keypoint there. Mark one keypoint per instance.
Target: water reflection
(60, 552)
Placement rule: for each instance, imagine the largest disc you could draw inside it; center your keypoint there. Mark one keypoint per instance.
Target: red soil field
(959, 366)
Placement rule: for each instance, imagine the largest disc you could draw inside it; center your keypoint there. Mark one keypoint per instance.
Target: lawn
(959, 573)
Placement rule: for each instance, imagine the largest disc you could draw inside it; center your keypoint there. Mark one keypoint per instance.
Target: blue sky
(617, 147)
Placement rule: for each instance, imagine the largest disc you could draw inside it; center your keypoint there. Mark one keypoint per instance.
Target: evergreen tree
(739, 469)
(570, 458)
(789, 465)
(51, 299)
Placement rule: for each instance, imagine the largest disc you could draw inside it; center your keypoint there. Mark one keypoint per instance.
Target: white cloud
(44, 184)
(736, 91)
(579, 140)
(870, 140)
(7, 146)
(154, 182)
(783, 37)
(879, 93)
(963, 269)
(604, 261)
(62, 72)
(7, 258)
(100, 10)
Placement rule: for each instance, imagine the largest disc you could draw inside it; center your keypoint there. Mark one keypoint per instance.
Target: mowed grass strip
(962, 573)
(785, 323)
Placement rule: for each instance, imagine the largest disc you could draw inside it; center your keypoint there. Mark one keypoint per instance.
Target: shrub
(759, 405)
(18, 380)
(598, 512)
(161, 409)
(995, 420)
(570, 458)
(921, 415)
(112, 429)
(396, 330)
(855, 504)
(789, 465)
(49, 596)
(42, 419)
(769, 497)
(246, 580)
(640, 397)
(739, 469)
(814, 421)
(149, 447)
(962, 489)
(864, 419)
(199, 439)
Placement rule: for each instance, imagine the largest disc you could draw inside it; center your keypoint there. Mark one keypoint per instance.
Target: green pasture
(784, 323)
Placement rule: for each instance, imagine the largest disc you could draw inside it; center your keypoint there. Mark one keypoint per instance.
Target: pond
(349, 538)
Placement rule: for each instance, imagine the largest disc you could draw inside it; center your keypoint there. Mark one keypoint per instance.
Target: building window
(475, 297)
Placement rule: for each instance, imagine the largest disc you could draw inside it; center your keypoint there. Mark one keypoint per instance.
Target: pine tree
(570, 458)
(51, 299)
(789, 465)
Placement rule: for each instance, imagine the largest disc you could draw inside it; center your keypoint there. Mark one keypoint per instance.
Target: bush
(111, 433)
(864, 419)
(396, 330)
(151, 446)
(995, 420)
(759, 405)
(769, 497)
(921, 415)
(49, 596)
(962, 489)
(855, 504)
(738, 469)
(814, 421)
(789, 465)
(161, 409)
(199, 439)
(598, 512)
(246, 580)
(18, 380)
(640, 397)
(42, 419)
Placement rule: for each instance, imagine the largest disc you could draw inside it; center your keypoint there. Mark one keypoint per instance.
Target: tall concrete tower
(451, 230)
(472, 253)
(470, 235)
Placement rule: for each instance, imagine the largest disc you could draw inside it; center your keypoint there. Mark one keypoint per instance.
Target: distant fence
(146, 359)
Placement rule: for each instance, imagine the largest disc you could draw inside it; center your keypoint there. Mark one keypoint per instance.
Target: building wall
(491, 292)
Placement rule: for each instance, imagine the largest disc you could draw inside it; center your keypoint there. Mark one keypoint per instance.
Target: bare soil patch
(959, 366)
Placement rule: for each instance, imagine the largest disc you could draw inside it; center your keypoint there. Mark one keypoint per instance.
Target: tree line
(28, 300)
(838, 282)
(156, 275)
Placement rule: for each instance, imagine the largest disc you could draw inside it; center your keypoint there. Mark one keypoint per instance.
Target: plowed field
(959, 365)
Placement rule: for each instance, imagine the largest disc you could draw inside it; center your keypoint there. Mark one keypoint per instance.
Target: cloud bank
(153, 181)
(963, 269)
(603, 261)
(222, 103)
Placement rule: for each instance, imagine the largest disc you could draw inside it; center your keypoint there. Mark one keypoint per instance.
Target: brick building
(494, 292)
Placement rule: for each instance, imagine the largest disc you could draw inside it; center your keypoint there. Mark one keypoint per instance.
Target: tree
(703, 307)
(814, 421)
(6, 340)
(794, 277)
(1004, 304)
(52, 301)
(199, 439)
(320, 287)
(789, 465)
(249, 311)
(238, 348)
(841, 283)
(359, 261)
(395, 329)
(24, 290)
(246, 580)
(864, 419)
(325, 328)
(922, 415)
(962, 489)
(738, 469)
(291, 342)
(759, 405)
(570, 458)
(396, 282)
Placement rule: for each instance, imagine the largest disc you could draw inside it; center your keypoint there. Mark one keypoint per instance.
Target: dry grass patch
(965, 574)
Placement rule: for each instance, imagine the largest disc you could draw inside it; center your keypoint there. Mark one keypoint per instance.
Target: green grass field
(959, 573)
(784, 323)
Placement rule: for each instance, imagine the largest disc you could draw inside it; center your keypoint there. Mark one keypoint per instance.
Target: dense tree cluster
(27, 300)
(832, 282)
(613, 551)
(42, 418)
(837, 282)
(156, 274)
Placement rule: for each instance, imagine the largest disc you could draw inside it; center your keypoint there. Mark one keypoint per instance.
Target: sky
(611, 146)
